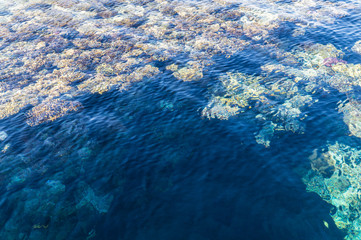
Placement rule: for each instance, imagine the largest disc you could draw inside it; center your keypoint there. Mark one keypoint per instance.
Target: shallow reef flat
(61, 49)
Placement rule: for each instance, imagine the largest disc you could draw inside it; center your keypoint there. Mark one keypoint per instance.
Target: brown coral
(51, 110)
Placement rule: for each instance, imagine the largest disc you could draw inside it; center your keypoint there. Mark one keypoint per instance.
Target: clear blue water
(172, 175)
(144, 164)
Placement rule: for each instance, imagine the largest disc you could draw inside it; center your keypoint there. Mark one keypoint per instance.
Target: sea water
(179, 120)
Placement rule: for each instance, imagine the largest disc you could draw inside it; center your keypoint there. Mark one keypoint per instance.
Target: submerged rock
(55, 186)
(100, 203)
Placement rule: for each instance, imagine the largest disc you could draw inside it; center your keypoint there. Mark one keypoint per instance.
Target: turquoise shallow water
(118, 122)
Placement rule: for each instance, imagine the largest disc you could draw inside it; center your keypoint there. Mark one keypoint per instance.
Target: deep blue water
(174, 175)
(165, 172)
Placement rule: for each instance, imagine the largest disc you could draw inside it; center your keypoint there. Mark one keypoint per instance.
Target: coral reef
(265, 134)
(101, 204)
(335, 177)
(53, 52)
(283, 91)
(351, 116)
(52, 48)
(191, 73)
(330, 61)
(263, 95)
(357, 47)
(51, 110)
(3, 135)
(44, 176)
